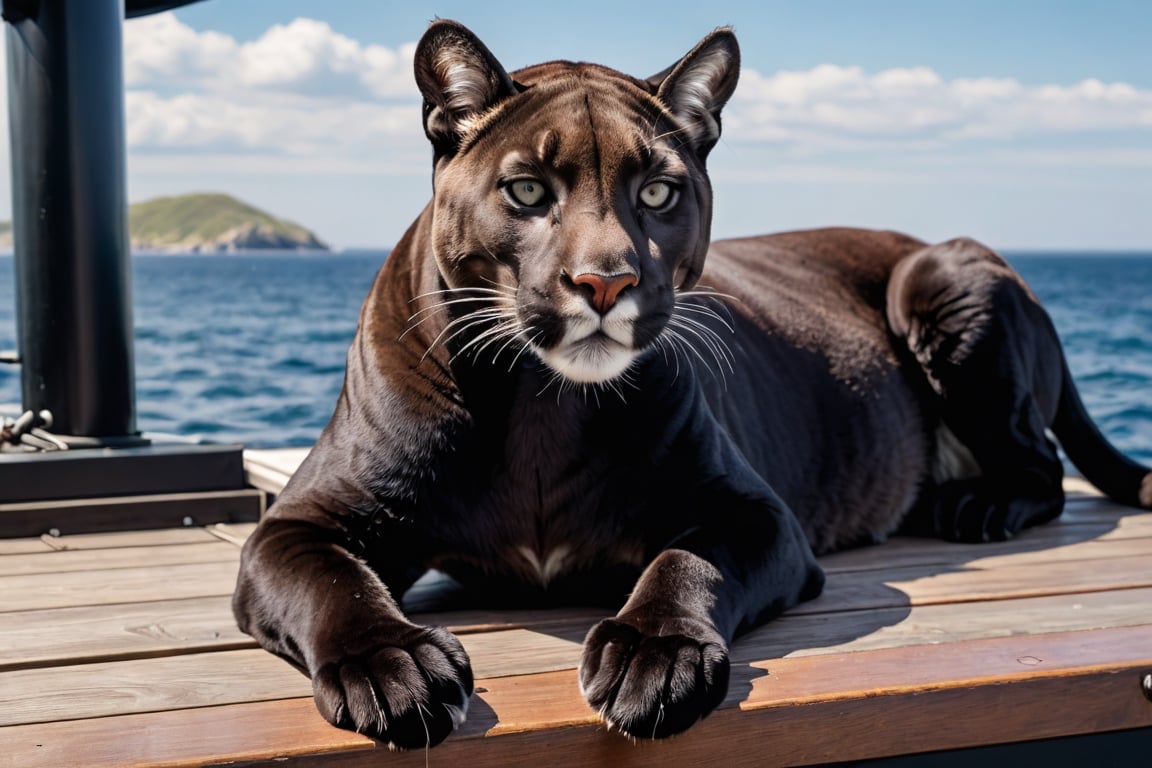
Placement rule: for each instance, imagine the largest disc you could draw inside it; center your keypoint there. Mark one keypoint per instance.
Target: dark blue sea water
(250, 348)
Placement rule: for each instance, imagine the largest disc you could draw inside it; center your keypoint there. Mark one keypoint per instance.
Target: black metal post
(70, 230)
(74, 311)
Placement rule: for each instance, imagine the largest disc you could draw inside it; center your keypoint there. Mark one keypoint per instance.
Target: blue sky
(1025, 124)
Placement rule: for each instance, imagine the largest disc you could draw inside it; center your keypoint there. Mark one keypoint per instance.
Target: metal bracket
(19, 10)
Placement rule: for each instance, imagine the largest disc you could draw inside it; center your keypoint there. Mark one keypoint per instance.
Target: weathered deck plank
(22, 547)
(929, 585)
(86, 634)
(212, 551)
(117, 585)
(160, 537)
(841, 632)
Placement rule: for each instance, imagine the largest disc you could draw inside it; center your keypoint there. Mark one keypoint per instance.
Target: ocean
(250, 348)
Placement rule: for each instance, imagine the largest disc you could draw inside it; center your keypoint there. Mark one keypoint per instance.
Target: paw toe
(652, 686)
(672, 683)
(408, 697)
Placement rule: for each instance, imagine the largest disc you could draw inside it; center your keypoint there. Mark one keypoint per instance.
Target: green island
(206, 223)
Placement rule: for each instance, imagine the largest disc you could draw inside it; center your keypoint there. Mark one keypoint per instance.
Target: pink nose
(605, 288)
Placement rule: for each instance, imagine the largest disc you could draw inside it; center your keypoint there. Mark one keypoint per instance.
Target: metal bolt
(1146, 686)
(188, 521)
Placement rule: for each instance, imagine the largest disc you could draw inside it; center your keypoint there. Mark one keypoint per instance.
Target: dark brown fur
(508, 419)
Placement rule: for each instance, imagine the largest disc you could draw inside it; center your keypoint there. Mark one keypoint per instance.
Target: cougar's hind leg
(992, 357)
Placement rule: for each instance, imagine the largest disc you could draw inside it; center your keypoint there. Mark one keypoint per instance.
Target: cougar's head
(571, 203)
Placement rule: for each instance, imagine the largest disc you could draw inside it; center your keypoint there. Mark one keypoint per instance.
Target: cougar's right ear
(460, 80)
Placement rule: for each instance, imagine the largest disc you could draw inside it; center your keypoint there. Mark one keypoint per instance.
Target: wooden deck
(120, 649)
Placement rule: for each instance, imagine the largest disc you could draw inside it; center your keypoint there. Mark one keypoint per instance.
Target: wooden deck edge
(803, 711)
(290, 732)
(123, 513)
(269, 469)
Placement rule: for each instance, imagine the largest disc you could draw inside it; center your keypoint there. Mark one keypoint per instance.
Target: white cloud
(287, 55)
(289, 126)
(305, 56)
(844, 107)
(299, 89)
(162, 49)
(308, 54)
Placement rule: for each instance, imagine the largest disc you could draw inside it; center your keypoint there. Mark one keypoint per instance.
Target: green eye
(657, 195)
(527, 192)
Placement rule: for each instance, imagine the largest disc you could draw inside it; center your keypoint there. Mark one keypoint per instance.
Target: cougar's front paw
(408, 687)
(653, 680)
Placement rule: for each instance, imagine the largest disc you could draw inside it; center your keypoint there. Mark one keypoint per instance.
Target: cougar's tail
(1120, 478)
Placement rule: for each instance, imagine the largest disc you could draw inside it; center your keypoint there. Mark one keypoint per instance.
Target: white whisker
(681, 342)
(529, 343)
(466, 300)
(707, 312)
(486, 338)
(456, 291)
(471, 320)
(689, 333)
(664, 345)
(503, 299)
(502, 288)
(709, 338)
(707, 335)
(514, 334)
(492, 322)
(421, 321)
(706, 293)
(462, 324)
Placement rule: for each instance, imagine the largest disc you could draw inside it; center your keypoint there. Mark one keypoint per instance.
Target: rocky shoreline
(246, 237)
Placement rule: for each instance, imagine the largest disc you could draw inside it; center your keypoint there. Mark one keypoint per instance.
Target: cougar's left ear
(460, 79)
(698, 86)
